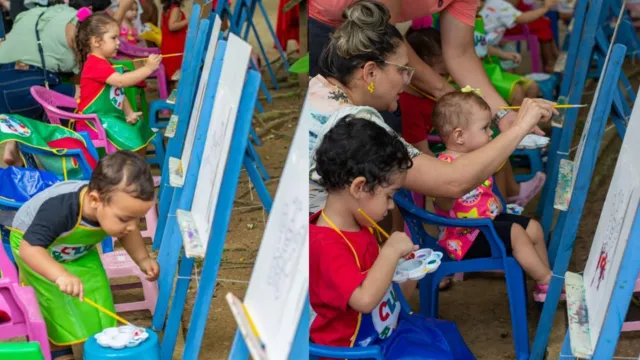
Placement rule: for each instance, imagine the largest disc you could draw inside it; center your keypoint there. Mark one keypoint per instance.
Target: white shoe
(532, 141)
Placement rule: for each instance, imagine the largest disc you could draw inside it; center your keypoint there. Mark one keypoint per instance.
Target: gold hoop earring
(371, 87)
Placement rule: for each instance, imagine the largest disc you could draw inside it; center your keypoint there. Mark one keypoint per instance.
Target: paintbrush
(163, 56)
(554, 106)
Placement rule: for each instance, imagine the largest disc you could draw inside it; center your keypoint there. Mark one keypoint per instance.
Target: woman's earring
(371, 87)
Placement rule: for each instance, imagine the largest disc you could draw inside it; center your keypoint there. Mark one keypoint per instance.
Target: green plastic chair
(20, 350)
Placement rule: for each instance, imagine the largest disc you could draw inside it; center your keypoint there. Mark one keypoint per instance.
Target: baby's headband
(83, 14)
(468, 89)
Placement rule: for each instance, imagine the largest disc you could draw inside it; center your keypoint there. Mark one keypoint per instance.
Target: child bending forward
(101, 86)
(54, 237)
(463, 122)
(362, 165)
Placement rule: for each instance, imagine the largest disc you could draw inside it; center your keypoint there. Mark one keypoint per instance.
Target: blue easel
(277, 302)
(588, 23)
(586, 323)
(568, 222)
(170, 249)
(243, 23)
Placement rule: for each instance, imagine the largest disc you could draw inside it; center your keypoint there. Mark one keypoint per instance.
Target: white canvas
(220, 133)
(613, 229)
(280, 279)
(202, 86)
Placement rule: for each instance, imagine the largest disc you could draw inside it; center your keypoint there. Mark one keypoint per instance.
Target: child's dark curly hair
(358, 147)
(95, 25)
(124, 171)
(167, 4)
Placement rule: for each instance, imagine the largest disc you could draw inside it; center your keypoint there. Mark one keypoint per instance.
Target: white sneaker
(533, 141)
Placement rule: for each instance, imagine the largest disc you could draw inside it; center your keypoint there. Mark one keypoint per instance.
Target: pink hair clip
(83, 14)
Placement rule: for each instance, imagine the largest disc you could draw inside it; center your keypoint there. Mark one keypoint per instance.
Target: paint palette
(121, 337)
(417, 265)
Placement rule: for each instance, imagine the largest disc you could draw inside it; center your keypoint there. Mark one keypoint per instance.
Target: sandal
(528, 190)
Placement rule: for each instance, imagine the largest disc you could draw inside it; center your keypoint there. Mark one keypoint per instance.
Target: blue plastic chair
(516, 286)
(373, 351)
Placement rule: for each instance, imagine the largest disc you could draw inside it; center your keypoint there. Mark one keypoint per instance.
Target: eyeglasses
(406, 71)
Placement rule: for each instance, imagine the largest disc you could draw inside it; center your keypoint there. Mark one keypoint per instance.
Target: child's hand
(150, 267)
(400, 243)
(513, 56)
(71, 285)
(132, 118)
(153, 61)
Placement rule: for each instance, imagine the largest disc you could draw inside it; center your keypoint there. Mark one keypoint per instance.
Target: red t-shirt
(333, 277)
(94, 77)
(416, 117)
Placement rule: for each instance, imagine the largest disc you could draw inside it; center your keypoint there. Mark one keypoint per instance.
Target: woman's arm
(437, 178)
(462, 62)
(174, 20)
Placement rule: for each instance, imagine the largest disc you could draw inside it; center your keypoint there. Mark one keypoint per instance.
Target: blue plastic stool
(147, 350)
(547, 84)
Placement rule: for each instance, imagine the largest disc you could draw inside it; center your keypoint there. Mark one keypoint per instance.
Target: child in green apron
(101, 86)
(53, 239)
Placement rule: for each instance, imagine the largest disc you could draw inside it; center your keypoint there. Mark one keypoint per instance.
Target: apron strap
(41, 51)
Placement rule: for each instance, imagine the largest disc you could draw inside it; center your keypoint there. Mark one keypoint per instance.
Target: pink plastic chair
(134, 51)
(633, 325)
(22, 306)
(54, 102)
(532, 43)
(118, 264)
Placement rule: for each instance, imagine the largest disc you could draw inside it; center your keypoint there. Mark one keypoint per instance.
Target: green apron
(68, 320)
(39, 135)
(108, 105)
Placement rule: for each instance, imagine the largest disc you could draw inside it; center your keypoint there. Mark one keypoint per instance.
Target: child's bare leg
(517, 95)
(533, 91)
(142, 152)
(534, 230)
(408, 288)
(11, 154)
(548, 58)
(78, 350)
(525, 253)
(506, 181)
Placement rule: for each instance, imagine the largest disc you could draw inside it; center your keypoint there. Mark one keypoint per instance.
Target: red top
(93, 79)
(333, 277)
(416, 117)
(172, 42)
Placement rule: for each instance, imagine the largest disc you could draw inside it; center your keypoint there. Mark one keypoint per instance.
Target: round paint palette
(417, 265)
(121, 337)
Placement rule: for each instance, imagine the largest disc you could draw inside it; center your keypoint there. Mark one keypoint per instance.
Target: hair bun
(367, 14)
(83, 14)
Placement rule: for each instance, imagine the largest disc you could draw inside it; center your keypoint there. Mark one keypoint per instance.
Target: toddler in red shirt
(350, 277)
(102, 86)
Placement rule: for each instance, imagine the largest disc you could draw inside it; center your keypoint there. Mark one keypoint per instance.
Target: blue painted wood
(584, 46)
(222, 216)
(169, 252)
(543, 210)
(183, 106)
(570, 220)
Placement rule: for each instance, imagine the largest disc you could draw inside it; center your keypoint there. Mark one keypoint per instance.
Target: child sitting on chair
(500, 16)
(463, 121)
(53, 239)
(128, 30)
(101, 86)
(353, 303)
